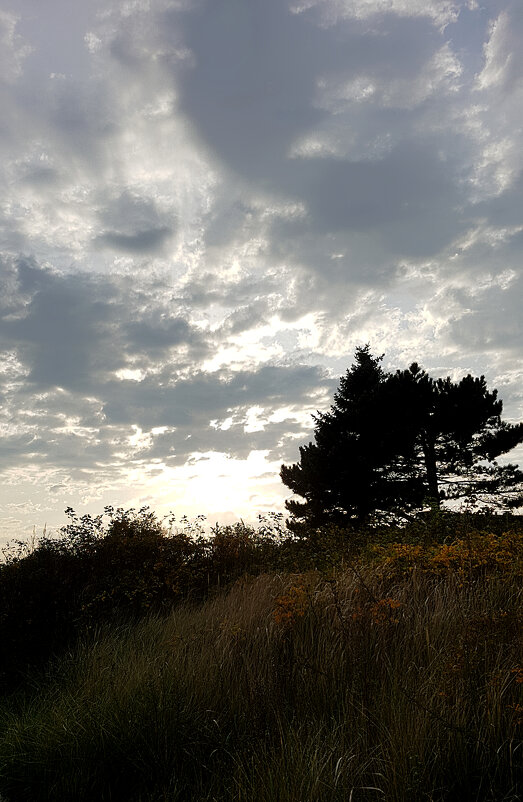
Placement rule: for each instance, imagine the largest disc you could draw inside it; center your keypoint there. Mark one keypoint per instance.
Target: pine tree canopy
(396, 443)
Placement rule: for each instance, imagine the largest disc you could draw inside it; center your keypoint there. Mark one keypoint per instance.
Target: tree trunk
(429, 453)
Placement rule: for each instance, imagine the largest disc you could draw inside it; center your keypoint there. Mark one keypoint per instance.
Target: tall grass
(360, 684)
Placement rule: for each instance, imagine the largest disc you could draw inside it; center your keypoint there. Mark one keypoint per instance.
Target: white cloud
(498, 56)
(440, 12)
(13, 49)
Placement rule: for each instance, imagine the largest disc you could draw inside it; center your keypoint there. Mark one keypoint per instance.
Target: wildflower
(381, 611)
(291, 605)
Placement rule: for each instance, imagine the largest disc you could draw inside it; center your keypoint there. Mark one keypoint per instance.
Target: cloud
(140, 242)
(158, 336)
(134, 225)
(439, 12)
(76, 331)
(398, 187)
(207, 205)
(13, 49)
(259, 77)
(60, 328)
(76, 339)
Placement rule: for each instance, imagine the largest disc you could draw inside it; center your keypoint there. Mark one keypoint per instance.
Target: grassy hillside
(348, 668)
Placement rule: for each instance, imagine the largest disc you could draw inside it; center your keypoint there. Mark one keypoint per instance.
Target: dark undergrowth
(384, 668)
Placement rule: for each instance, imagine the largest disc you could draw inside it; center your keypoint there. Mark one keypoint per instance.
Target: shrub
(478, 553)
(91, 573)
(114, 567)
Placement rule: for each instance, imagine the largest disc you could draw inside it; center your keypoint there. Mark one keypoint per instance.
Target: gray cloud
(253, 87)
(494, 323)
(141, 242)
(189, 402)
(62, 329)
(134, 225)
(279, 440)
(295, 83)
(75, 331)
(146, 336)
(408, 200)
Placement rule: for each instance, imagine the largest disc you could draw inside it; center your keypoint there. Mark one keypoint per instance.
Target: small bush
(478, 553)
(115, 567)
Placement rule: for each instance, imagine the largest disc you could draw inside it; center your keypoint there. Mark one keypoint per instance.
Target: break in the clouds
(208, 205)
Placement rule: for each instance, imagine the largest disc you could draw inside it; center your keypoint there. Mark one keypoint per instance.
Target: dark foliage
(397, 675)
(393, 444)
(96, 572)
(124, 565)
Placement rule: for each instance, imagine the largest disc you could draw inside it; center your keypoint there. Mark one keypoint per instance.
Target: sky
(207, 205)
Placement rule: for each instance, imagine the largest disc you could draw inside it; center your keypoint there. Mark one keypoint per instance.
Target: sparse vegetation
(248, 665)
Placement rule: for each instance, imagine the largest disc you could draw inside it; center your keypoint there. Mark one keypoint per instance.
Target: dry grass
(357, 684)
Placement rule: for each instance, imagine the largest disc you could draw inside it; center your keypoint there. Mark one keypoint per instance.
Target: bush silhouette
(90, 574)
(122, 569)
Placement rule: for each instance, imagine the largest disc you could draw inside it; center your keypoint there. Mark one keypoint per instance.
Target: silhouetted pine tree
(394, 443)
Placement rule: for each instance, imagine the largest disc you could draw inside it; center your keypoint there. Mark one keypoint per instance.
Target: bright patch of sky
(208, 205)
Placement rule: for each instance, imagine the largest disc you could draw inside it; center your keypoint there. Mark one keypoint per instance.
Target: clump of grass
(353, 683)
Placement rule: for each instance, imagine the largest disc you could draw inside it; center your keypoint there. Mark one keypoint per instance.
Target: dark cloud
(65, 332)
(140, 242)
(250, 91)
(504, 209)
(279, 440)
(162, 334)
(75, 119)
(408, 199)
(256, 89)
(75, 331)
(253, 87)
(191, 402)
(134, 225)
(494, 323)
(41, 176)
